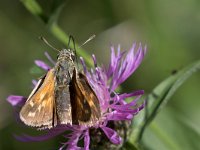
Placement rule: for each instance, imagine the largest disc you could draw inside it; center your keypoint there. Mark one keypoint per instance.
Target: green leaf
(57, 7)
(171, 130)
(64, 38)
(159, 98)
(33, 7)
(51, 24)
(128, 146)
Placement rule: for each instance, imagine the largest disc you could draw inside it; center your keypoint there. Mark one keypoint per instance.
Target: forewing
(38, 110)
(85, 104)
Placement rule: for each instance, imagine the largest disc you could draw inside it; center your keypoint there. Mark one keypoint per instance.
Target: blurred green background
(169, 28)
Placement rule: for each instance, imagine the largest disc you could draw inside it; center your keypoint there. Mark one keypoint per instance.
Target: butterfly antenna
(68, 45)
(71, 38)
(89, 39)
(46, 42)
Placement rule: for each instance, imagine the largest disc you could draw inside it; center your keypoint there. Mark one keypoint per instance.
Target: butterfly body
(62, 96)
(63, 73)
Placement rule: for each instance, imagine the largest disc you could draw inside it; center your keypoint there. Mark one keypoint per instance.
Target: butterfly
(62, 96)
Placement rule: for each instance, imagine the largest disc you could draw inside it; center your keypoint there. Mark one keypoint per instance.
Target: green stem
(164, 137)
(128, 145)
(33, 7)
(64, 38)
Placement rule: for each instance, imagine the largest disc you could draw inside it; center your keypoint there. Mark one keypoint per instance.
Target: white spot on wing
(31, 103)
(31, 114)
(43, 104)
(39, 107)
(42, 96)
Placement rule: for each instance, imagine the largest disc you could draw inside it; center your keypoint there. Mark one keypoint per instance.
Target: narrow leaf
(64, 38)
(57, 7)
(159, 98)
(171, 130)
(51, 24)
(33, 7)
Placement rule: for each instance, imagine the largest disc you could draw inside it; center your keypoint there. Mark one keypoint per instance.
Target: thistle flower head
(116, 113)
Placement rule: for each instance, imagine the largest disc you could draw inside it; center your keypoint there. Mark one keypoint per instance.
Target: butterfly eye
(72, 56)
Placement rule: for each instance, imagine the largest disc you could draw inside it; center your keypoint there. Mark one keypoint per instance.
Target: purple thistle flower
(116, 113)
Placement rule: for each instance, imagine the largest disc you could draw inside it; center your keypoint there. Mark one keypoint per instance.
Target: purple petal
(115, 60)
(112, 135)
(142, 106)
(120, 99)
(28, 138)
(115, 115)
(94, 60)
(42, 65)
(125, 66)
(73, 141)
(120, 104)
(34, 82)
(84, 65)
(15, 100)
(110, 68)
(49, 58)
(51, 133)
(86, 140)
(135, 93)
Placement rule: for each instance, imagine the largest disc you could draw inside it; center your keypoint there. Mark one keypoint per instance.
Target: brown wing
(39, 110)
(85, 104)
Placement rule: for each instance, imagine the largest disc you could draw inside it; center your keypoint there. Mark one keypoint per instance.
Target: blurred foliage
(170, 29)
(155, 102)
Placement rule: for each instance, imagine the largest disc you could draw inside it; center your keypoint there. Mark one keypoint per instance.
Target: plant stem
(64, 38)
(33, 7)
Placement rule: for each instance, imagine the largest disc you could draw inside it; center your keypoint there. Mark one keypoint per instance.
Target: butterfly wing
(85, 104)
(39, 110)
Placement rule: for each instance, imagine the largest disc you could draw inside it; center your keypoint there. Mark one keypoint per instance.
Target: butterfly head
(67, 54)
